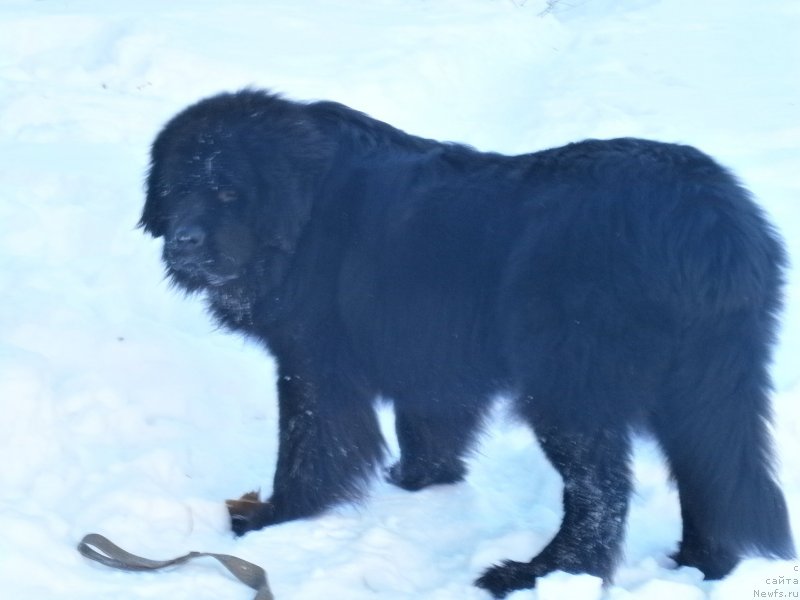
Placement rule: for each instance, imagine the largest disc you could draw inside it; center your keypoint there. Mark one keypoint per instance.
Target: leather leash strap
(98, 548)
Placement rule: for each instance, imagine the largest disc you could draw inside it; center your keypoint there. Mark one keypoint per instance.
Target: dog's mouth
(207, 272)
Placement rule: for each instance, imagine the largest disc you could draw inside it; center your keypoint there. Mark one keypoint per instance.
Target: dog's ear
(153, 219)
(293, 179)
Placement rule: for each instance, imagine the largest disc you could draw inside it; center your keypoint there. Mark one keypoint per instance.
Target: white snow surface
(125, 411)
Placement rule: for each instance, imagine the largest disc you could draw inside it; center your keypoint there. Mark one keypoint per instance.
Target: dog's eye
(227, 196)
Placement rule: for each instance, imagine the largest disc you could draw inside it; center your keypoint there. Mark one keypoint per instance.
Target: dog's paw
(417, 476)
(248, 513)
(502, 579)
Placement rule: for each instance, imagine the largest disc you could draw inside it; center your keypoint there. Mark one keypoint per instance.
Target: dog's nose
(189, 236)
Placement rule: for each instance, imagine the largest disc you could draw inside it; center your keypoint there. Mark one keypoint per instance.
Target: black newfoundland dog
(605, 286)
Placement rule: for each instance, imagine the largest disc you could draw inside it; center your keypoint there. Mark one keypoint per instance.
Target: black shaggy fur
(605, 285)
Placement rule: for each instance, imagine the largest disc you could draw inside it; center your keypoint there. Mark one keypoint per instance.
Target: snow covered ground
(125, 412)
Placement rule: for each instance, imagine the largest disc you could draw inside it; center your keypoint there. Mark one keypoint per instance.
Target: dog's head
(231, 186)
